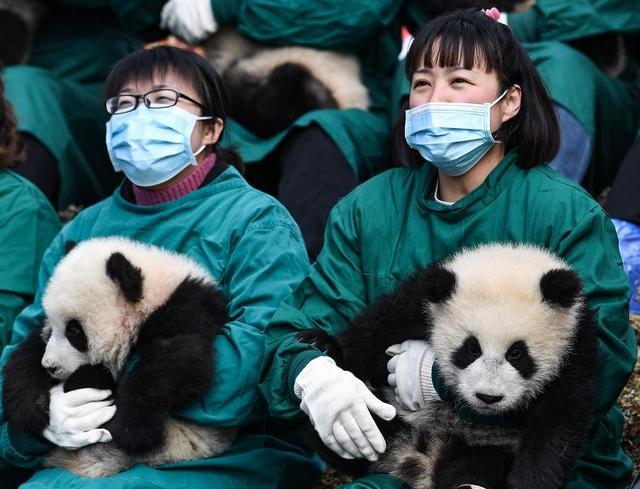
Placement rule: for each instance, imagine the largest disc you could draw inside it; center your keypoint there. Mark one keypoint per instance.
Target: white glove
(338, 405)
(410, 373)
(191, 20)
(74, 417)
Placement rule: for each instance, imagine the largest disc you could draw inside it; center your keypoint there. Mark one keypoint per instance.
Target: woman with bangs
(182, 193)
(480, 129)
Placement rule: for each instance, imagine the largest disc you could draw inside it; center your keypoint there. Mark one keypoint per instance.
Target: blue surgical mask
(453, 137)
(152, 146)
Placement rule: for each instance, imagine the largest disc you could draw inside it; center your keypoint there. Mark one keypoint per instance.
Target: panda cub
(133, 318)
(515, 348)
(270, 87)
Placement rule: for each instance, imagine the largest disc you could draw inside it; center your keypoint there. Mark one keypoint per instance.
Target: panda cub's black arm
(361, 346)
(558, 426)
(26, 385)
(175, 365)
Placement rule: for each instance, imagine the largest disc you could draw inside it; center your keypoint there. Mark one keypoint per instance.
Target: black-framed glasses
(160, 98)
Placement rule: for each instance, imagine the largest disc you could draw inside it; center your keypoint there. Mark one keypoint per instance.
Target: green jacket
(568, 20)
(608, 108)
(368, 29)
(386, 229)
(254, 249)
(28, 223)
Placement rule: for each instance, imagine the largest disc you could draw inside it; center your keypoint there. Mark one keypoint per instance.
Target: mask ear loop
(201, 148)
(491, 106)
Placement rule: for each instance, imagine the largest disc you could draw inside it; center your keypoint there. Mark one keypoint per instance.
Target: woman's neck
(452, 189)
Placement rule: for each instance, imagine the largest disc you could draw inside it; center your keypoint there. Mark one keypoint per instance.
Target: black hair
(144, 64)
(470, 38)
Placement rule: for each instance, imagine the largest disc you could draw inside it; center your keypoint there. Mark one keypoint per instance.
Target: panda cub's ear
(438, 283)
(561, 287)
(68, 246)
(126, 275)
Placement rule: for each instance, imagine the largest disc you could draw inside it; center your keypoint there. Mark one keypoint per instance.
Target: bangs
(147, 65)
(455, 42)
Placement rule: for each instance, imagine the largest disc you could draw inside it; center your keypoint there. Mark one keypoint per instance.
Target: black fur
(25, 393)
(439, 284)
(560, 287)
(518, 356)
(468, 353)
(555, 425)
(68, 246)
(76, 336)
(94, 376)
(128, 277)
(272, 103)
(175, 365)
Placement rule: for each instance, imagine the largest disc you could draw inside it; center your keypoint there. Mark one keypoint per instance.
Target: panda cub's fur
(270, 87)
(109, 299)
(515, 345)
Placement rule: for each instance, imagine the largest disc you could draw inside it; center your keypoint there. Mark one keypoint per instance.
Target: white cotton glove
(410, 373)
(191, 20)
(74, 417)
(338, 405)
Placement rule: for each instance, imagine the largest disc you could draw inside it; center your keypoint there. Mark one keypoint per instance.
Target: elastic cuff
(296, 365)
(429, 392)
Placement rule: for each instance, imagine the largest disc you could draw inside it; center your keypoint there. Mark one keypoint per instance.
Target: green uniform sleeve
(591, 248)
(343, 26)
(332, 295)
(265, 265)
(27, 227)
(21, 449)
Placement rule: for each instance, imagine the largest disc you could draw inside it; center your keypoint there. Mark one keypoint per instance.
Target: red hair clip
(492, 12)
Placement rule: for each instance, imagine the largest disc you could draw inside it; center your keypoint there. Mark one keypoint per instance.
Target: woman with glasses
(182, 193)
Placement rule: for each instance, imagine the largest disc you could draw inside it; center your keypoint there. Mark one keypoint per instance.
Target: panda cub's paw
(323, 342)
(94, 376)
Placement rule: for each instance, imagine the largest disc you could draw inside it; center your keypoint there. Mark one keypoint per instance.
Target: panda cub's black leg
(94, 376)
(25, 393)
(323, 342)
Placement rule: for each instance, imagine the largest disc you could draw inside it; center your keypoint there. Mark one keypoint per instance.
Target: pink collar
(178, 189)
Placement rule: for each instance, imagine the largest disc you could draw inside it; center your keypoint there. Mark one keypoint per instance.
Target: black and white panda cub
(514, 342)
(270, 87)
(107, 299)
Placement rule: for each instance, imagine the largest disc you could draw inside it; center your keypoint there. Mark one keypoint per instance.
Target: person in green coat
(27, 227)
(324, 153)
(465, 189)
(186, 197)
(56, 92)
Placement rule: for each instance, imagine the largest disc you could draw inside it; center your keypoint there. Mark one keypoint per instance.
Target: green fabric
(70, 123)
(254, 249)
(386, 230)
(567, 20)
(608, 108)
(28, 223)
(370, 31)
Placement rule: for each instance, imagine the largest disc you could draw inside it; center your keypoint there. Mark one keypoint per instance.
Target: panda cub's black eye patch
(467, 353)
(518, 356)
(76, 336)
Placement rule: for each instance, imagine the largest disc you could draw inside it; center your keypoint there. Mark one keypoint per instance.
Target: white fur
(340, 73)
(498, 300)
(80, 289)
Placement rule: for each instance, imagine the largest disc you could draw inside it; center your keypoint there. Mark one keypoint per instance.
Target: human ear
(212, 130)
(510, 105)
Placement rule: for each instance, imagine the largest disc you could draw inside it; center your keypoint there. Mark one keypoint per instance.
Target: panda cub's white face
(66, 348)
(501, 334)
(98, 297)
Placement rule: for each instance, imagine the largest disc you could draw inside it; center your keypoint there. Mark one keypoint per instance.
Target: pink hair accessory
(492, 12)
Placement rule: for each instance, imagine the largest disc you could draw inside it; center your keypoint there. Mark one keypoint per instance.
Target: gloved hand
(74, 417)
(338, 405)
(410, 373)
(191, 20)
